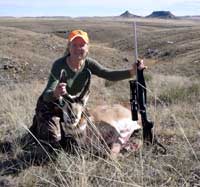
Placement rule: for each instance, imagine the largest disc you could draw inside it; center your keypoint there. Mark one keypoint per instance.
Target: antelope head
(75, 105)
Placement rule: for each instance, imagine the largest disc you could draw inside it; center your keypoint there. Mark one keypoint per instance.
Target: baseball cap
(78, 33)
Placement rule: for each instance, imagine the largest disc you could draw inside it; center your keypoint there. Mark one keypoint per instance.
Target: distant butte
(161, 14)
(127, 14)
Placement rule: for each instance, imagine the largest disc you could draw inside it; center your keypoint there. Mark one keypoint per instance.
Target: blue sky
(76, 8)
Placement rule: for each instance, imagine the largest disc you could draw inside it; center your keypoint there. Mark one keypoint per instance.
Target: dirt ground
(29, 46)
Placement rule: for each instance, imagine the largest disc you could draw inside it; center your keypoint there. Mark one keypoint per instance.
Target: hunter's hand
(60, 90)
(140, 65)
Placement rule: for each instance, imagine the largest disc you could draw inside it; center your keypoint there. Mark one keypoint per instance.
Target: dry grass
(177, 126)
(173, 100)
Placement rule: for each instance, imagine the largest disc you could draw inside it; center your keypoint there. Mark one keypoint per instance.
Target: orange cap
(78, 33)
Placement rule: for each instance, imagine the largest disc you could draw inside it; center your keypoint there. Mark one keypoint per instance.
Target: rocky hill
(127, 14)
(161, 14)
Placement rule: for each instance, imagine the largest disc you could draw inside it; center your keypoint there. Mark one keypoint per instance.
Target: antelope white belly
(125, 128)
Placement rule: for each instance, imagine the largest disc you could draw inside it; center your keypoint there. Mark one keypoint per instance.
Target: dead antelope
(106, 126)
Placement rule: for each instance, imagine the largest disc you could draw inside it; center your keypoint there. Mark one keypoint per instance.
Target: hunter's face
(78, 48)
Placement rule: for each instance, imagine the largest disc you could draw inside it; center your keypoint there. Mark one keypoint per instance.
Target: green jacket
(76, 80)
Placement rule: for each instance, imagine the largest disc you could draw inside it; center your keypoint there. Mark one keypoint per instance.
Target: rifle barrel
(135, 41)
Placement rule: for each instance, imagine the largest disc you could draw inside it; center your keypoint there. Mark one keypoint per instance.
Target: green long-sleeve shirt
(76, 80)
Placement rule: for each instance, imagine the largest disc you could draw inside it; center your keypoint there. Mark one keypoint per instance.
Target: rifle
(138, 99)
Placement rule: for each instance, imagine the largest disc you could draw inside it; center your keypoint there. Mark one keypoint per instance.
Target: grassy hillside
(28, 48)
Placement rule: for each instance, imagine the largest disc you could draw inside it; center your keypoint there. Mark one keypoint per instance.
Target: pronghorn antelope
(108, 127)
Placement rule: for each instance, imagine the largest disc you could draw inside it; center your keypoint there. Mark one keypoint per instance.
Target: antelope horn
(83, 92)
(63, 76)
